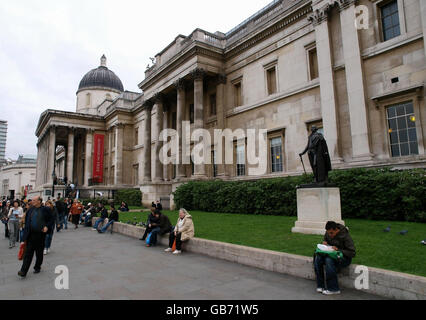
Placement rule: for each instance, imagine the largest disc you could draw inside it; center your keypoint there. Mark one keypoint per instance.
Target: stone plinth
(316, 206)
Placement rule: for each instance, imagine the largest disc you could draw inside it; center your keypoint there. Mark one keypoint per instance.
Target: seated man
(162, 227)
(111, 219)
(89, 214)
(104, 215)
(148, 226)
(339, 238)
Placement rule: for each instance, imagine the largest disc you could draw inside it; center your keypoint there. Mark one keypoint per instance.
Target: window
(214, 165)
(191, 113)
(402, 130)
(241, 160)
(271, 76)
(313, 63)
(276, 154)
(390, 20)
(174, 172)
(213, 104)
(136, 136)
(238, 99)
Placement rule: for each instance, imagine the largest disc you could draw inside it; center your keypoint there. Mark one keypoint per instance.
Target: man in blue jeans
(338, 237)
(113, 217)
(162, 227)
(104, 215)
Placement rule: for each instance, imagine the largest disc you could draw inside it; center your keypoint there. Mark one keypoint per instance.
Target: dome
(101, 77)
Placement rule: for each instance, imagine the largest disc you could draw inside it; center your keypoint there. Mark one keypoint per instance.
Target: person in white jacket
(15, 214)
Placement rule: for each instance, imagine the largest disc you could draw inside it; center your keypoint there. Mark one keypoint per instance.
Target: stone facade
(291, 65)
(18, 178)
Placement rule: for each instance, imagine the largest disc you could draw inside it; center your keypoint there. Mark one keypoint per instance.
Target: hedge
(133, 197)
(377, 194)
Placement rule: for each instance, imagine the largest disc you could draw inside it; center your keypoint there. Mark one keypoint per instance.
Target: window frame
(274, 135)
(237, 82)
(377, 8)
(237, 143)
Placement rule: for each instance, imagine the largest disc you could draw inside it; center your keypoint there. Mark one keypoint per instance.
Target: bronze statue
(318, 156)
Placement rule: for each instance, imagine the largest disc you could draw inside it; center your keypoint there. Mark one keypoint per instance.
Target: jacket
(45, 221)
(104, 213)
(342, 241)
(113, 215)
(164, 224)
(187, 229)
(76, 208)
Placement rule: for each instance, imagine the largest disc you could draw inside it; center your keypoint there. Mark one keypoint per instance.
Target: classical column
(70, 155)
(119, 135)
(51, 153)
(147, 143)
(180, 87)
(329, 111)
(158, 124)
(109, 159)
(221, 116)
(165, 126)
(198, 76)
(355, 82)
(88, 157)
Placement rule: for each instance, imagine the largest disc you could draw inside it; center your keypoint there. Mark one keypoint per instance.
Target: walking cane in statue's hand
(301, 159)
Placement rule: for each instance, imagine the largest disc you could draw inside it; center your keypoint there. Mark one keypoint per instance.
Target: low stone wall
(382, 282)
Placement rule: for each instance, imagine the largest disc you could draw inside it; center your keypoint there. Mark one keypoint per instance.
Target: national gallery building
(354, 69)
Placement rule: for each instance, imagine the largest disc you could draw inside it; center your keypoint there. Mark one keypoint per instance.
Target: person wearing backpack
(337, 236)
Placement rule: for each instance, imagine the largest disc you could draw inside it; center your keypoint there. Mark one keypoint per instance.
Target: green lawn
(375, 248)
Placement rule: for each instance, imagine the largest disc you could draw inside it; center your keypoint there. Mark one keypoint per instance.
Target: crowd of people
(33, 222)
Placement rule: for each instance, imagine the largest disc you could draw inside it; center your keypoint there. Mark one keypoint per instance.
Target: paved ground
(105, 266)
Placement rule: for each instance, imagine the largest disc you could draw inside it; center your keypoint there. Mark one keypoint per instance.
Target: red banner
(98, 158)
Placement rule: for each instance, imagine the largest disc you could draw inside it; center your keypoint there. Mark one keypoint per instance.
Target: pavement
(112, 266)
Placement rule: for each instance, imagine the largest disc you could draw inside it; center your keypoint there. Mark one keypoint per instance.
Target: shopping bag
(174, 245)
(148, 239)
(21, 252)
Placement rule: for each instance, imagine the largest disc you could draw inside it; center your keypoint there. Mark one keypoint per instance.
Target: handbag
(148, 239)
(174, 245)
(22, 249)
(336, 255)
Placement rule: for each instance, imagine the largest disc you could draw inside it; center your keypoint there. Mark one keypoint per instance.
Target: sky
(46, 47)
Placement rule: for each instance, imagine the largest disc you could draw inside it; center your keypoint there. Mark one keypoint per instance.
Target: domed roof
(101, 77)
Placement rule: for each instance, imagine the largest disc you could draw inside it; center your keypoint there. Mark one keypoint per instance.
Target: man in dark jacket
(113, 217)
(61, 208)
(162, 227)
(37, 221)
(337, 236)
(104, 214)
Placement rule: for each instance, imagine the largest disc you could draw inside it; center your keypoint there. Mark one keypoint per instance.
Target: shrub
(133, 197)
(379, 194)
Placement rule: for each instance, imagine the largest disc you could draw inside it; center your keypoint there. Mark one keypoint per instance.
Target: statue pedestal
(316, 206)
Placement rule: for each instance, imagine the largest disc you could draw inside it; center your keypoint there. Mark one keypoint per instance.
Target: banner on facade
(98, 158)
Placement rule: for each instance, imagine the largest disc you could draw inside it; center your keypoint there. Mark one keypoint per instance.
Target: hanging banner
(98, 158)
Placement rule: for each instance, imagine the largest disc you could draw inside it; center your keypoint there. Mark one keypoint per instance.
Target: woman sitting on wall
(183, 231)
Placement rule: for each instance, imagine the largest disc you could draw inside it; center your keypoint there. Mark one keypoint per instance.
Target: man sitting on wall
(104, 215)
(162, 227)
(337, 236)
(113, 217)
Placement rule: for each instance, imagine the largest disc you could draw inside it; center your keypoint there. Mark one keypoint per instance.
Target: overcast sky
(46, 47)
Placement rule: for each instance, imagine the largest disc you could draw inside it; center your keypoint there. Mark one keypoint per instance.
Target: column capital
(221, 79)
(343, 4)
(120, 125)
(159, 97)
(180, 84)
(147, 104)
(198, 74)
(90, 130)
(320, 15)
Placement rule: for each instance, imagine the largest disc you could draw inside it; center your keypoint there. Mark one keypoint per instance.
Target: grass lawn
(375, 248)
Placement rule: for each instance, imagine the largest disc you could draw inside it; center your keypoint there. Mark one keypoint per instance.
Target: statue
(318, 156)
